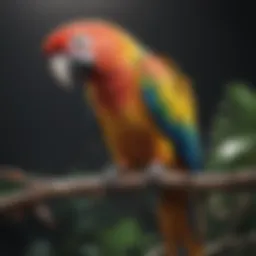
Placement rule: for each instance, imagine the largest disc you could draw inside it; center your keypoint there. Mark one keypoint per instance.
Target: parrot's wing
(168, 97)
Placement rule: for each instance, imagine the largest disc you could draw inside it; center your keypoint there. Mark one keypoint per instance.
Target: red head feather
(113, 49)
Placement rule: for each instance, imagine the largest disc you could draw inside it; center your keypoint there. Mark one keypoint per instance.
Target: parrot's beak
(69, 72)
(60, 69)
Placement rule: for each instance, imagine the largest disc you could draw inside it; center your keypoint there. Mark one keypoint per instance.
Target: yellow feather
(179, 87)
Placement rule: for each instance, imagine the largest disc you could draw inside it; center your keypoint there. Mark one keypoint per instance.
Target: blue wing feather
(185, 137)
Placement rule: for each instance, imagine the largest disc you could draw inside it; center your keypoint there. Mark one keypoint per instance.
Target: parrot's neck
(112, 92)
(117, 88)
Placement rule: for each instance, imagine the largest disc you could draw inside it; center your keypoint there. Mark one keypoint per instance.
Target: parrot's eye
(80, 49)
(75, 66)
(80, 43)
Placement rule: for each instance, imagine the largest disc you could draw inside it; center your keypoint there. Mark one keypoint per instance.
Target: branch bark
(49, 187)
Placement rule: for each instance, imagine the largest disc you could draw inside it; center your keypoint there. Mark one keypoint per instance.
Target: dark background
(45, 128)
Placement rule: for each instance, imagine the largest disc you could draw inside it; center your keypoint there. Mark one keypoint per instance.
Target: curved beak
(60, 68)
(69, 72)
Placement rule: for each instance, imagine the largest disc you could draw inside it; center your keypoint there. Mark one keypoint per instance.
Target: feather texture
(171, 105)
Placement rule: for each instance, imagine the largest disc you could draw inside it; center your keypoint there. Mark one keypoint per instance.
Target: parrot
(145, 107)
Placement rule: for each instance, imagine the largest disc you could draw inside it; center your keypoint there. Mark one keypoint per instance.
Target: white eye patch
(60, 69)
(80, 49)
(80, 42)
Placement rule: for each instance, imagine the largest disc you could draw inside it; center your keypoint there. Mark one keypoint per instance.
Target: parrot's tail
(177, 224)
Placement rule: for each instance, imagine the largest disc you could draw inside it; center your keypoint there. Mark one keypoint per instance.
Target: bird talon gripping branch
(110, 173)
(155, 170)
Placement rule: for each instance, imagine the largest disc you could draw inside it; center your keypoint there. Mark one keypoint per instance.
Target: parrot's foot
(156, 169)
(110, 172)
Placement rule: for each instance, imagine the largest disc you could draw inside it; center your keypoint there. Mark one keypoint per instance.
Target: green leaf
(125, 235)
(40, 248)
(233, 138)
(89, 250)
(233, 147)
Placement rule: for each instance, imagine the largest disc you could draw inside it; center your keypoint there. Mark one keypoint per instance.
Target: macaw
(145, 107)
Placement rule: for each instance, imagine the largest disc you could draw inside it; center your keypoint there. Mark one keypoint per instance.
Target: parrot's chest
(134, 137)
(136, 143)
(130, 133)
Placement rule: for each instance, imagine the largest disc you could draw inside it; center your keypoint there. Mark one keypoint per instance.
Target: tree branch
(48, 187)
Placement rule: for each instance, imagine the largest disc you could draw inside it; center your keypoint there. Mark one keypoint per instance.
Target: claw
(156, 168)
(111, 172)
(114, 170)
